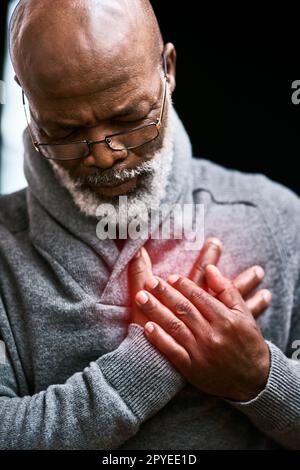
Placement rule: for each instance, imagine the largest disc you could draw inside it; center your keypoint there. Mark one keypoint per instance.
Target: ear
(17, 80)
(170, 53)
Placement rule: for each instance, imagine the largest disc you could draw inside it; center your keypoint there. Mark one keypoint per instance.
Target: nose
(104, 157)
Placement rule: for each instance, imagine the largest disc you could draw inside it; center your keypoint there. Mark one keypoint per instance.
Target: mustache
(113, 175)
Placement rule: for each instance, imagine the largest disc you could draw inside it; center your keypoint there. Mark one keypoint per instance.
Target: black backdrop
(234, 76)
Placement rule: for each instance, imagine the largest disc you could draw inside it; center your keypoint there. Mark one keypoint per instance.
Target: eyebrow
(130, 109)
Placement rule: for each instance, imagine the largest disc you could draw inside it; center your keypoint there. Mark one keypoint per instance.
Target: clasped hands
(203, 325)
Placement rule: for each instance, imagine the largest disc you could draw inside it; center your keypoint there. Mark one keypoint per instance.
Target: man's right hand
(140, 271)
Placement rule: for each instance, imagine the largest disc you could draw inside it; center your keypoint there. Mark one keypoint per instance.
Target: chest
(67, 306)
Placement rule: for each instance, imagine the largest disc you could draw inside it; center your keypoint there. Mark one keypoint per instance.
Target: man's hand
(140, 271)
(213, 341)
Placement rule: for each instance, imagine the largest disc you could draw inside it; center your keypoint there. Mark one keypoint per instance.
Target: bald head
(52, 40)
(91, 68)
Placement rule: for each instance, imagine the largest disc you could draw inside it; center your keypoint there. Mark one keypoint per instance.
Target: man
(81, 371)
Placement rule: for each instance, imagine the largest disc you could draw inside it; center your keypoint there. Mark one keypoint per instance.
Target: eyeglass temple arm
(34, 142)
(165, 88)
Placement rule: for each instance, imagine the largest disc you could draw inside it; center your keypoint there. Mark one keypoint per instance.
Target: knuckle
(183, 283)
(137, 268)
(216, 340)
(180, 283)
(231, 289)
(183, 307)
(227, 325)
(230, 324)
(160, 288)
(198, 274)
(196, 294)
(150, 306)
(199, 297)
(200, 268)
(176, 328)
(232, 294)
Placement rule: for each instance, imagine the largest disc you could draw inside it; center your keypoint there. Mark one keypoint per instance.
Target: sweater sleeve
(98, 408)
(276, 410)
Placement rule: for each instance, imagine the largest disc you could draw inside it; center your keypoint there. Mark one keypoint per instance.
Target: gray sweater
(79, 375)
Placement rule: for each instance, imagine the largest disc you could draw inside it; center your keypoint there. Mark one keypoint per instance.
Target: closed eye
(128, 123)
(134, 121)
(137, 121)
(68, 136)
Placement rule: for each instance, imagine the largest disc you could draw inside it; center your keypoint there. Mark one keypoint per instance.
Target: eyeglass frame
(157, 123)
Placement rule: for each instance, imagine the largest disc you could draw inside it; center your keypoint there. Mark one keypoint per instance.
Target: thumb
(140, 269)
(224, 289)
(146, 257)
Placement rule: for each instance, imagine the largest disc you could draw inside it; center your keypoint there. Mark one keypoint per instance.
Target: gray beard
(153, 179)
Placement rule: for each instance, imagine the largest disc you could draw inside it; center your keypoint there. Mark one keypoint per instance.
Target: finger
(210, 307)
(225, 291)
(161, 315)
(176, 354)
(147, 258)
(248, 280)
(259, 302)
(140, 270)
(209, 254)
(178, 304)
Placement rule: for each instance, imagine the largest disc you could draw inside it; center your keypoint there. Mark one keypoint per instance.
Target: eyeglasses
(128, 140)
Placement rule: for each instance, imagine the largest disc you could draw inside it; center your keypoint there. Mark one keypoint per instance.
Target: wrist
(258, 382)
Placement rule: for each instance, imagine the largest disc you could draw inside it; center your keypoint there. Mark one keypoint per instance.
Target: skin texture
(210, 337)
(216, 342)
(95, 59)
(81, 63)
(140, 274)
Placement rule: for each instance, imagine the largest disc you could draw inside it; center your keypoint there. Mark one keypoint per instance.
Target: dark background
(231, 92)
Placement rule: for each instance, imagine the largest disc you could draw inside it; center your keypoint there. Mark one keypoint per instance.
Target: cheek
(68, 165)
(148, 149)
(73, 166)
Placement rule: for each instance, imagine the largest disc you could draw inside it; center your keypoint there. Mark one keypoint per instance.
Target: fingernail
(215, 241)
(141, 297)
(173, 278)
(137, 255)
(152, 283)
(267, 296)
(259, 272)
(149, 327)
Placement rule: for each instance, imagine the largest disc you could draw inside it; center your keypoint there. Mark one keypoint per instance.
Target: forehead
(88, 100)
